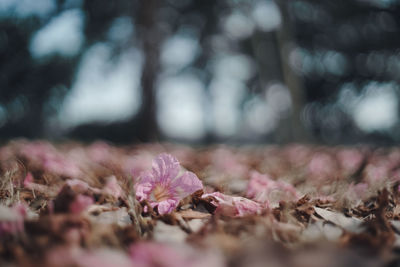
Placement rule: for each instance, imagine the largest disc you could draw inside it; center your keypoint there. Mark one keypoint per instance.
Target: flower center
(160, 193)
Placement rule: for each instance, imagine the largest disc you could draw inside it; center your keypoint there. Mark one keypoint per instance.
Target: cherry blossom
(163, 187)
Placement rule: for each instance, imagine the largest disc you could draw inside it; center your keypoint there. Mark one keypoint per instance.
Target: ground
(73, 204)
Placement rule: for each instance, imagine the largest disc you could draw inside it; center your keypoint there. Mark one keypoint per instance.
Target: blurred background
(234, 71)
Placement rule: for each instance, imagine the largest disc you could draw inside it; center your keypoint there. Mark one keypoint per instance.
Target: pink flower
(235, 206)
(162, 186)
(263, 189)
(80, 203)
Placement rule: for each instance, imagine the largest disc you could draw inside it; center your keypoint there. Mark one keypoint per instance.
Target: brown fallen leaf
(378, 234)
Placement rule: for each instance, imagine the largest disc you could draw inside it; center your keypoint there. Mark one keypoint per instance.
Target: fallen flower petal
(350, 160)
(162, 186)
(28, 180)
(80, 186)
(77, 185)
(235, 206)
(30, 184)
(263, 189)
(113, 188)
(321, 167)
(80, 204)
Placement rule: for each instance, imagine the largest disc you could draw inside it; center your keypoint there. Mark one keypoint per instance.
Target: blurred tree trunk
(267, 55)
(151, 39)
(290, 78)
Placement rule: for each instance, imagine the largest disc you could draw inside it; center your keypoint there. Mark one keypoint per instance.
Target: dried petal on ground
(80, 204)
(235, 206)
(263, 189)
(41, 188)
(113, 188)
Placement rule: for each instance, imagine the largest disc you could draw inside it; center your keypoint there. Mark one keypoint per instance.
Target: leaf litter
(98, 204)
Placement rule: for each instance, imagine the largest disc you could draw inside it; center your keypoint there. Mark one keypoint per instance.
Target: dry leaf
(350, 224)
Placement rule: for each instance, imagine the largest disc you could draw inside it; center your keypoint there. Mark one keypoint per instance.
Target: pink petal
(350, 159)
(187, 184)
(321, 166)
(357, 192)
(245, 206)
(165, 167)
(143, 190)
(28, 180)
(167, 206)
(113, 188)
(30, 184)
(80, 204)
(235, 206)
(263, 189)
(147, 177)
(77, 185)
(161, 187)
